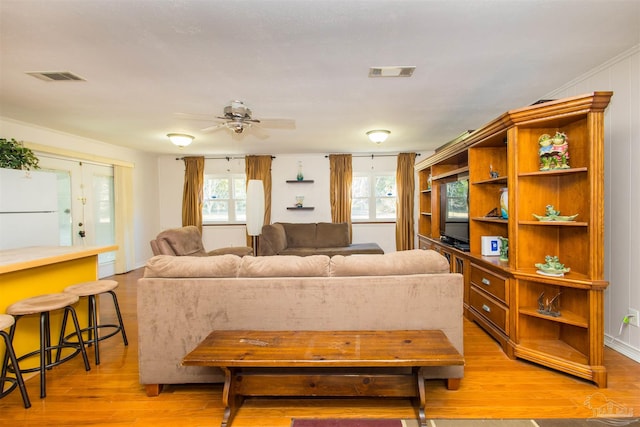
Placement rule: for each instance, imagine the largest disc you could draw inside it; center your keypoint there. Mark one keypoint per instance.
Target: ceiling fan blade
(213, 128)
(258, 132)
(278, 123)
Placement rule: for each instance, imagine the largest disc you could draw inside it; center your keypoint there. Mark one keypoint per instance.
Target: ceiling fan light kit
(180, 139)
(378, 136)
(237, 118)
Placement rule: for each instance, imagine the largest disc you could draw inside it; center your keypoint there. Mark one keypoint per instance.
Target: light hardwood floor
(493, 387)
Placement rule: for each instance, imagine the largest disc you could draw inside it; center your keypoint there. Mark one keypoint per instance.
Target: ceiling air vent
(55, 76)
(391, 71)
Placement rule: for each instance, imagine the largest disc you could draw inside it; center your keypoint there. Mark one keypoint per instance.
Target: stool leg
(80, 340)
(93, 326)
(8, 339)
(117, 307)
(44, 351)
(63, 328)
(5, 366)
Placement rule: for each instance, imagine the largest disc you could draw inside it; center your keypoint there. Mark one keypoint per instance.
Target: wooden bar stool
(44, 305)
(91, 290)
(6, 321)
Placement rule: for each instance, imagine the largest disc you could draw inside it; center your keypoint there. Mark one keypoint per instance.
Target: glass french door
(85, 204)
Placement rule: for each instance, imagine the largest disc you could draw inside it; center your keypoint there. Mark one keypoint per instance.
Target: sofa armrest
(272, 240)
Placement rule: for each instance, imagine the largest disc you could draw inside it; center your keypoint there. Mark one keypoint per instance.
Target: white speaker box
(490, 245)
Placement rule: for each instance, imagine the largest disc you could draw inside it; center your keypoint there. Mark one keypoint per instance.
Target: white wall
(145, 189)
(284, 167)
(622, 182)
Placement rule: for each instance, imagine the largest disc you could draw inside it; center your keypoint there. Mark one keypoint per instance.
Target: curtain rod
(372, 155)
(227, 158)
(73, 160)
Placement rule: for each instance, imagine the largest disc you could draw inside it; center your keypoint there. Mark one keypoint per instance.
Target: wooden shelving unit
(572, 342)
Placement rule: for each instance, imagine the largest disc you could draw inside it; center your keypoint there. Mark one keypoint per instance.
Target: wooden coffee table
(323, 363)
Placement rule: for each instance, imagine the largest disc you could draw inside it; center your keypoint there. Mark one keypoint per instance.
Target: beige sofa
(303, 239)
(182, 299)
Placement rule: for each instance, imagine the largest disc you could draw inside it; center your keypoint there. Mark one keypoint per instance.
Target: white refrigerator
(28, 209)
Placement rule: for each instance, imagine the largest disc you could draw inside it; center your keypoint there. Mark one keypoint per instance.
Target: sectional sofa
(182, 299)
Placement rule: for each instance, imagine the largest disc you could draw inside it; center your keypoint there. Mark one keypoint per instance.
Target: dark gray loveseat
(302, 239)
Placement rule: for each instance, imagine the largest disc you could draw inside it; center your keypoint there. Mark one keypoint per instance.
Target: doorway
(85, 205)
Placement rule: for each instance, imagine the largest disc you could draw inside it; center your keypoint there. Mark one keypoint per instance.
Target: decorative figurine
(550, 307)
(552, 267)
(429, 182)
(504, 249)
(551, 214)
(492, 173)
(553, 151)
(299, 201)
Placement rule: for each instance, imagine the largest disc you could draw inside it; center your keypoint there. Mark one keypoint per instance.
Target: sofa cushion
(189, 266)
(273, 239)
(285, 266)
(232, 250)
(329, 235)
(416, 261)
(301, 235)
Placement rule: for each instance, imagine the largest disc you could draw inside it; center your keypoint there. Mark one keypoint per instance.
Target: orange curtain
(405, 187)
(192, 192)
(341, 176)
(259, 167)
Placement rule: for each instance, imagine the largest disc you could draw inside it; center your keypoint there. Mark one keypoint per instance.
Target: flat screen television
(454, 211)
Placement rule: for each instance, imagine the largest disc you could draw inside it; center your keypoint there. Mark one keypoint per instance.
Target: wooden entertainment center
(505, 297)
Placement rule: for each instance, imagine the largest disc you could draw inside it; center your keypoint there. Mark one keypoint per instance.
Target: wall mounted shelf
(295, 181)
(303, 208)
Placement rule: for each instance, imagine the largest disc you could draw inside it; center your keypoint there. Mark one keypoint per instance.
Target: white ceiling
(145, 61)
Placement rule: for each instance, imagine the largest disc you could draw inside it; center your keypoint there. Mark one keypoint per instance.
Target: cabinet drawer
(489, 282)
(488, 308)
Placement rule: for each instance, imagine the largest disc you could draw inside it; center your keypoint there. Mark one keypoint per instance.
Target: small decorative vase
(299, 201)
(300, 176)
(504, 203)
(504, 248)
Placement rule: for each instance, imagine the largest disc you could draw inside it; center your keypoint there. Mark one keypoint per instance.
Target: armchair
(187, 241)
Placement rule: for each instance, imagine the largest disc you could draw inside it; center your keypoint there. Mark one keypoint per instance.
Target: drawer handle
(486, 308)
(486, 281)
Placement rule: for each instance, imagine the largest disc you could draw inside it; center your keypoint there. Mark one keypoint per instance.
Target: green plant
(14, 155)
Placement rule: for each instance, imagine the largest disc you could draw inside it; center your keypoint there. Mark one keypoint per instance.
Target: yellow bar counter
(38, 270)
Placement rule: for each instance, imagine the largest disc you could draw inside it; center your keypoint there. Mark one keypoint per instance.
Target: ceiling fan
(237, 118)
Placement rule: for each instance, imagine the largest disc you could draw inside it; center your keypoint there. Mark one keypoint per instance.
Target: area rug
(352, 423)
(564, 422)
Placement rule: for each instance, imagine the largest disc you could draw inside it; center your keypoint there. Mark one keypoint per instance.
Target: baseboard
(622, 348)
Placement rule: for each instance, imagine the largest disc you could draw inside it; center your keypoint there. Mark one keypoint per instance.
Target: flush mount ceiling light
(180, 139)
(378, 136)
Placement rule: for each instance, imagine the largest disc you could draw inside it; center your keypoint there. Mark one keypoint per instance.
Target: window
(373, 197)
(225, 198)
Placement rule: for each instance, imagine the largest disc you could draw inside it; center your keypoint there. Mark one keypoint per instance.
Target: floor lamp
(255, 211)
